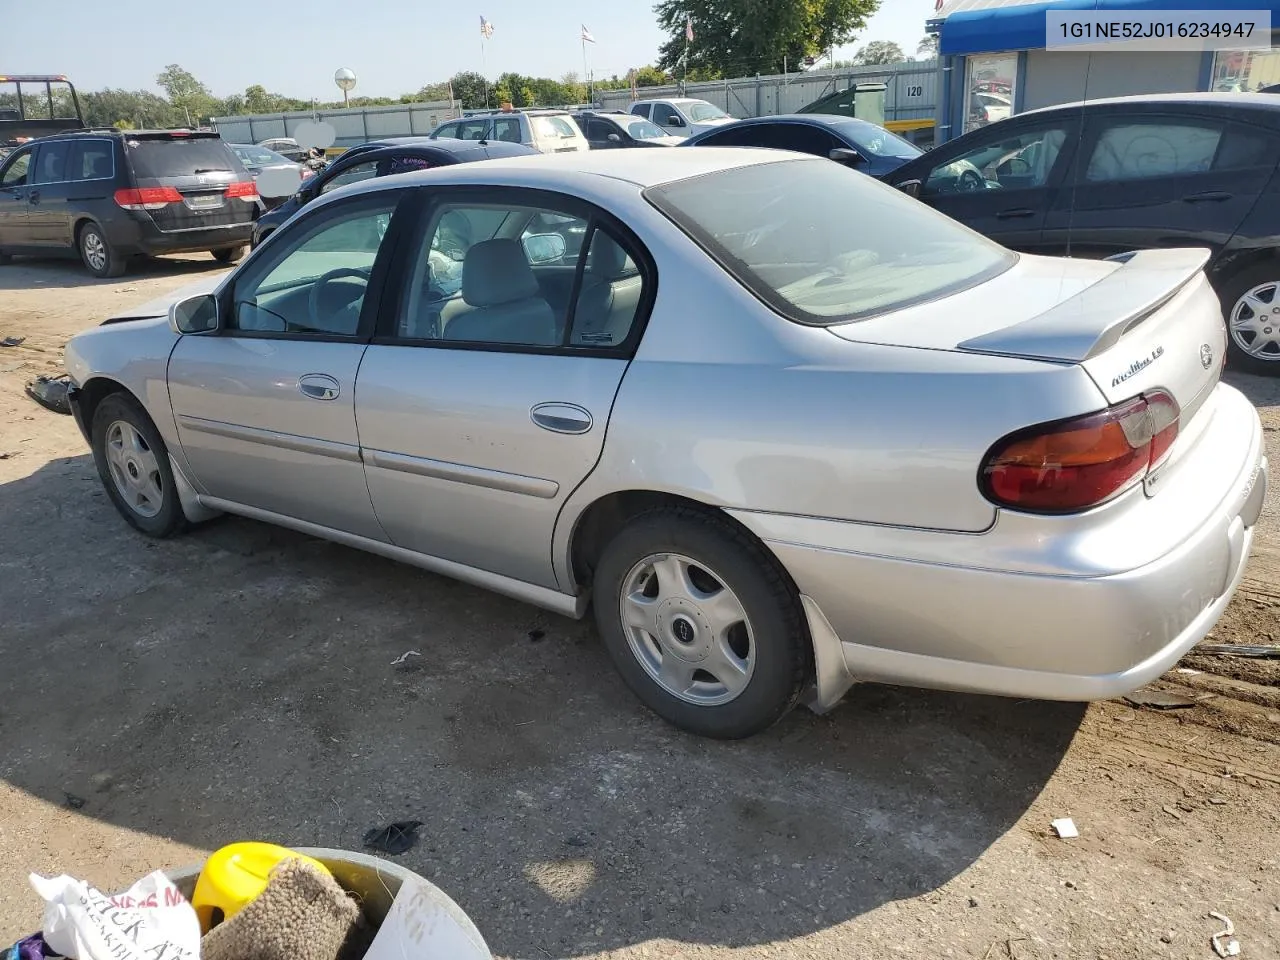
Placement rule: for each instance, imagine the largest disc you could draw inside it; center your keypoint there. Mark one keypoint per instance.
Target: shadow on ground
(28, 273)
(237, 683)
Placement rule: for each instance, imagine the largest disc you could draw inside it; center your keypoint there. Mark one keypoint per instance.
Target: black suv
(107, 195)
(1110, 176)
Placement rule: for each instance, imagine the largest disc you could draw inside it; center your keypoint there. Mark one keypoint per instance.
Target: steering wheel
(970, 181)
(317, 288)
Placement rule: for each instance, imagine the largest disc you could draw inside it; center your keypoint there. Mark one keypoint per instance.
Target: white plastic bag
(150, 921)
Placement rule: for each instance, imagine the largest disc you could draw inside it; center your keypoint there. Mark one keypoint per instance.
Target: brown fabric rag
(301, 915)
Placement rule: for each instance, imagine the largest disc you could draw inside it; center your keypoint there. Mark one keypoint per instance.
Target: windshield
(700, 110)
(259, 156)
(878, 141)
(642, 129)
(823, 244)
(179, 157)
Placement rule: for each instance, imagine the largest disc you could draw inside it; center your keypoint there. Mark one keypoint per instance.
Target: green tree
(742, 37)
(469, 87)
(650, 76)
(928, 46)
(257, 100)
(141, 109)
(501, 93)
(879, 52)
(191, 97)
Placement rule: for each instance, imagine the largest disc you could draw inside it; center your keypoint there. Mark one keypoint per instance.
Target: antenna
(1076, 160)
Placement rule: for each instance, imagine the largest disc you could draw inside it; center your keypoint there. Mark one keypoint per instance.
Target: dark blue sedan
(379, 159)
(856, 143)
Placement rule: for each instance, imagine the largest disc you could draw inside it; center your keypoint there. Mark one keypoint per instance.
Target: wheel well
(79, 228)
(604, 518)
(93, 393)
(1224, 272)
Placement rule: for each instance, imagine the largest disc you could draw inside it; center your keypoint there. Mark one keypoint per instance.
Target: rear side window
(51, 162)
(92, 160)
(507, 129)
(165, 158)
(1144, 151)
(873, 250)
(640, 110)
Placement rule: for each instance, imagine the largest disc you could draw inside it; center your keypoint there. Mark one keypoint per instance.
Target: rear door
(1002, 180)
(48, 217)
(1150, 180)
(199, 181)
(265, 409)
(481, 410)
(15, 173)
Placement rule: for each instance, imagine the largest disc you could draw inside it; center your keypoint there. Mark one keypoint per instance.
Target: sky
(293, 47)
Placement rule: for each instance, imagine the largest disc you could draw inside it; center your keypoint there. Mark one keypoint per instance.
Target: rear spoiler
(1095, 319)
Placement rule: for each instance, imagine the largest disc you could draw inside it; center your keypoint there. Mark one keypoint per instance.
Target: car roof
(1262, 101)
(672, 100)
(642, 168)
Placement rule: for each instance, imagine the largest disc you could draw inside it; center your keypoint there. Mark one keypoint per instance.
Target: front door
(1000, 181)
(1147, 180)
(484, 403)
(266, 407)
(14, 183)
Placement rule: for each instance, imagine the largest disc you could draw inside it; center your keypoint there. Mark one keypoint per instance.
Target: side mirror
(613, 138)
(846, 155)
(198, 314)
(910, 187)
(673, 122)
(544, 247)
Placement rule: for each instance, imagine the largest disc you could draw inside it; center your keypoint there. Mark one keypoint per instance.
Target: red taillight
(245, 189)
(147, 198)
(1076, 464)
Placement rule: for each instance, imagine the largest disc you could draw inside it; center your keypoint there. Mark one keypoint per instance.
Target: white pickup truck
(682, 116)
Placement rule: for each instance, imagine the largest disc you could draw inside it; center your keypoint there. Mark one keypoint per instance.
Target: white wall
(1062, 76)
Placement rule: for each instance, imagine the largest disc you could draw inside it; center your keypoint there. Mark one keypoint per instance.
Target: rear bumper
(135, 236)
(984, 624)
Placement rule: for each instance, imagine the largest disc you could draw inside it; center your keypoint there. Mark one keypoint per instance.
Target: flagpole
(484, 73)
(585, 74)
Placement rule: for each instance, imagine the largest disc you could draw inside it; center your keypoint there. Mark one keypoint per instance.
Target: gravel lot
(237, 684)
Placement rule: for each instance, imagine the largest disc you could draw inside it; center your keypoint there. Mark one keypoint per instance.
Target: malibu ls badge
(1139, 365)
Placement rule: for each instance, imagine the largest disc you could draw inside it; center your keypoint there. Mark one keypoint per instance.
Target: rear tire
(702, 622)
(228, 254)
(133, 464)
(1251, 311)
(96, 253)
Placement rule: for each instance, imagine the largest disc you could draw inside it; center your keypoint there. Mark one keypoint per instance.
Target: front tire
(96, 253)
(702, 622)
(228, 254)
(133, 464)
(1251, 309)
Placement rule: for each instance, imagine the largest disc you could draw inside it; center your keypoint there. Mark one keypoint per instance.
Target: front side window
(1142, 151)
(15, 175)
(51, 162)
(353, 174)
(1020, 160)
(506, 274)
(315, 281)
(665, 116)
(757, 222)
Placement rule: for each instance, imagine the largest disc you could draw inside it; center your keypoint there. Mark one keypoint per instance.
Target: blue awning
(996, 26)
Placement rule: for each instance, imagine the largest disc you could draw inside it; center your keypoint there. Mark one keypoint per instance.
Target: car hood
(159, 307)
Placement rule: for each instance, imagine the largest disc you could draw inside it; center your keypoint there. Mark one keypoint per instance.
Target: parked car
(608, 130)
(985, 108)
(856, 143)
(287, 147)
(379, 160)
(682, 116)
(774, 452)
(547, 131)
(256, 159)
(1193, 170)
(110, 195)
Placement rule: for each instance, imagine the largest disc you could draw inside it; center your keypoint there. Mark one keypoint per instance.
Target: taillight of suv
(1075, 464)
(147, 198)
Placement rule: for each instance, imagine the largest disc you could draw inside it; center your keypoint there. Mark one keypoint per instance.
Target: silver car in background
(781, 426)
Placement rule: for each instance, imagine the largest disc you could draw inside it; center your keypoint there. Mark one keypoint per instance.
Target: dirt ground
(237, 683)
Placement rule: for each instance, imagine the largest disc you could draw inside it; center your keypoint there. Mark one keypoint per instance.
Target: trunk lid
(200, 167)
(1146, 321)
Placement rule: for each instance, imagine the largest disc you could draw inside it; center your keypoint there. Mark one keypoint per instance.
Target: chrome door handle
(319, 386)
(561, 417)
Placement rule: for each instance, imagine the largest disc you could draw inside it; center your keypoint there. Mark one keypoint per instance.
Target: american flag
(486, 28)
(688, 29)
(586, 35)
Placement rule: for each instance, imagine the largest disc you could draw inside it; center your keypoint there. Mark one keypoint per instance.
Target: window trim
(421, 210)
(379, 277)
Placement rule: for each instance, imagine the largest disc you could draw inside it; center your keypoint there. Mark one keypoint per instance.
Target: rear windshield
(180, 157)
(260, 157)
(553, 128)
(823, 244)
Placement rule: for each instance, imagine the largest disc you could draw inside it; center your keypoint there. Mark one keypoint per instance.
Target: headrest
(496, 271)
(608, 259)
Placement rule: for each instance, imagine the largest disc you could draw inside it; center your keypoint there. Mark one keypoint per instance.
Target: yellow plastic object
(234, 876)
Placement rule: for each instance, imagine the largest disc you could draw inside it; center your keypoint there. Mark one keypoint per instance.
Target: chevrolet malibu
(781, 426)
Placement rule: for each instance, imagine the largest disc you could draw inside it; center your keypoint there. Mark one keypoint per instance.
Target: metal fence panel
(351, 125)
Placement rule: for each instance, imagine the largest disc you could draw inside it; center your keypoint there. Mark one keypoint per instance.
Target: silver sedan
(781, 426)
